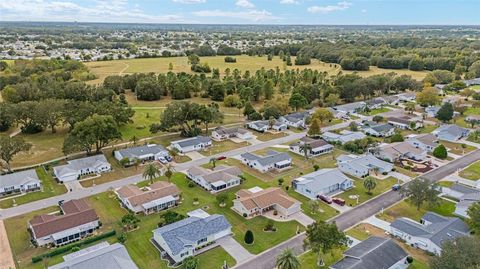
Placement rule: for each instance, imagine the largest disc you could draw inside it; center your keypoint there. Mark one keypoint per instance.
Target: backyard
(472, 172)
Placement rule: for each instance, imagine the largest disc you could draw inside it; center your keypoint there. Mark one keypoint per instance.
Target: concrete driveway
(302, 218)
(194, 155)
(384, 225)
(73, 185)
(237, 251)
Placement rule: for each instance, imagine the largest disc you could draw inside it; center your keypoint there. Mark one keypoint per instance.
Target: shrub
(230, 59)
(440, 152)
(244, 215)
(316, 167)
(409, 259)
(191, 184)
(122, 238)
(249, 239)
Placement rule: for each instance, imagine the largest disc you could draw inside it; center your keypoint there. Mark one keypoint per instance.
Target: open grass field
(180, 64)
(50, 188)
(472, 172)
(405, 209)
(359, 190)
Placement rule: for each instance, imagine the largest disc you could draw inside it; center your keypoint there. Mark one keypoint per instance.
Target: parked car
(325, 198)
(221, 158)
(339, 201)
(163, 160)
(396, 187)
(168, 158)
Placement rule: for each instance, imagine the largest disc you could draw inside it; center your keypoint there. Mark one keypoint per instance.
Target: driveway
(400, 176)
(237, 251)
(6, 258)
(194, 155)
(384, 225)
(73, 185)
(302, 218)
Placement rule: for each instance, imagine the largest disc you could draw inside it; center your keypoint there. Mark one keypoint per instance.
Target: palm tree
(174, 153)
(151, 172)
(213, 161)
(369, 183)
(134, 140)
(305, 148)
(169, 173)
(287, 260)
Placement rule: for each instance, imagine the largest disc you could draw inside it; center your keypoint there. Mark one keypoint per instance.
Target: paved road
(266, 260)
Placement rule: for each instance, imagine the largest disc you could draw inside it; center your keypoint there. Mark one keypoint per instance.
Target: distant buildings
(222, 133)
(192, 144)
(218, 179)
(19, 182)
(400, 150)
(316, 147)
(451, 132)
(264, 125)
(154, 198)
(343, 137)
(362, 166)
(256, 201)
(430, 233)
(295, 120)
(350, 108)
(272, 160)
(85, 166)
(150, 152)
(322, 182)
(77, 221)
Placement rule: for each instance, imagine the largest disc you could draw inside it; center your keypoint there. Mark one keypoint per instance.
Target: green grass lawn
(383, 185)
(457, 148)
(375, 111)
(50, 188)
(405, 209)
(223, 146)
(324, 213)
(418, 265)
(309, 259)
(405, 171)
(267, 136)
(472, 172)
(140, 127)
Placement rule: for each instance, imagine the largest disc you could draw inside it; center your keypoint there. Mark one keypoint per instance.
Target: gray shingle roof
(190, 230)
(373, 253)
(87, 162)
(451, 129)
(382, 128)
(141, 150)
(19, 178)
(350, 106)
(323, 178)
(193, 141)
(270, 157)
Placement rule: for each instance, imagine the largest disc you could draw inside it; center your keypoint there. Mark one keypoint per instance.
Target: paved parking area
(6, 258)
(237, 251)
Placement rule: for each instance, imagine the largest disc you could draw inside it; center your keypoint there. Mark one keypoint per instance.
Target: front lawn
(267, 136)
(405, 209)
(472, 172)
(375, 111)
(383, 185)
(309, 259)
(364, 230)
(457, 148)
(324, 212)
(223, 146)
(50, 188)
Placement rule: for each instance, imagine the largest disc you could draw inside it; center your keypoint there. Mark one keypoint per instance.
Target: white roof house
(150, 152)
(22, 181)
(75, 168)
(271, 160)
(361, 166)
(317, 147)
(222, 133)
(343, 137)
(192, 144)
(295, 120)
(220, 178)
(322, 182)
(426, 142)
(395, 151)
(451, 132)
(350, 107)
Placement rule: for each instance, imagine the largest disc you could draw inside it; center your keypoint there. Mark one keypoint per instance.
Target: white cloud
(100, 11)
(289, 2)
(330, 8)
(251, 15)
(190, 1)
(245, 4)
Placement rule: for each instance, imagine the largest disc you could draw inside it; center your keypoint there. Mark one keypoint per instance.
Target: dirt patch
(6, 258)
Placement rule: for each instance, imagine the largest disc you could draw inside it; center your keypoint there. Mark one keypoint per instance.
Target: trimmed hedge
(69, 247)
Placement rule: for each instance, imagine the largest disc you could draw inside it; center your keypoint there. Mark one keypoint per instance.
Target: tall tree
(151, 172)
(11, 146)
(459, 253)
(445, 113)
(421, 191)
(369, 184)
(305, 148)
(287, 260)
(297, 101)
(314, 129)
(322, 114)
(474, 217)
(428, 97)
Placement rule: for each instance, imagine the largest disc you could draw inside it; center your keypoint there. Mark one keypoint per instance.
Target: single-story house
(373, 253)
(407, 96)
(451, 132)
(159, 196)
(375, 103)
(75, 168)
(222, 133)
(362, 166)
(257, 201)
(432, 111)
(472, 82)
(192, 144)
(400, 150)
(316, 147)
(219, 179)
(426, 142)
(379, 130)
(343, 137)
(184, 238)
(271, 160)
(77, 221)
(350, 107)
(102, 255)
(322, 182)
(19, 182)
(391, 99)
(465, 202)
(405, 123)
(338, 114)
(264, 125)
(150, 152)
(295, 120)
(431, 232)
(457, 190)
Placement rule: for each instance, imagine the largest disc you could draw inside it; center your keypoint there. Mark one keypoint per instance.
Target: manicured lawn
(383, 185)
(457, 148)
(418, 265)
(364, 230)
(267, 136)
(324, 213)
(426, 129)
(309, 259)
(445, 183)
(376, 111)
(223, 146)
(50, 188)
(214, 258)
(405, 209)
(405, 171)
(472, 172)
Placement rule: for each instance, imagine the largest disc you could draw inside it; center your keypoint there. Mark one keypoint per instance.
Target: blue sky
(371, 12)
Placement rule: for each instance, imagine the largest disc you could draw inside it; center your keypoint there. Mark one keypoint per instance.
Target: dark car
(325, 198)
(396, 187)
(339, 201)
(221, 158)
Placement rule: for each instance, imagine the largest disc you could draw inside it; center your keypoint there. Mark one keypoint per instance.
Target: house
(158, 196)
(451, 132)
(101, 255)
(222, 133)
(264, 125)
(373, 253)
(427, 142)
(350, 107)
(257, 201)
(430, 233)
(405, 123)
(322, 182)
(362, 166)
(465, 202)
(457, 190)
(379, 130)
(85, 166)
(150, 152)
(183, 238)
(271, 160)
(77, 220)
(316, 147)
(338, 114)
(391, 99)
(407, 96)
(400, 150)
(192, 144)
(343, 137)
(19, 182)
(432, 111)
(375, 103)
(472, 82)
(219, 179)
(295, 120)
